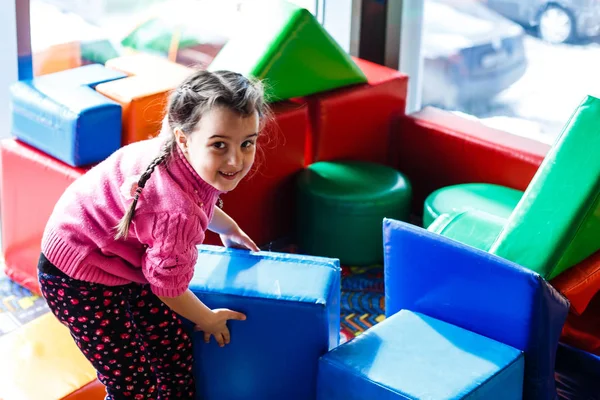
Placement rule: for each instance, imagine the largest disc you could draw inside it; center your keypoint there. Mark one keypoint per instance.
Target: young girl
(119, 250)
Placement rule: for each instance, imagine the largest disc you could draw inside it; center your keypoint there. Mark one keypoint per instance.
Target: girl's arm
(231, 234)
(222, 223)
(190, 307)
(211, 322)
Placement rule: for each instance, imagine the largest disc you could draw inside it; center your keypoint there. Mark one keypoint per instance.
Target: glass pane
(70, 33)
(510, 63)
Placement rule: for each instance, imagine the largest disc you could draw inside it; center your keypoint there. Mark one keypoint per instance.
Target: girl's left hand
(239, 240)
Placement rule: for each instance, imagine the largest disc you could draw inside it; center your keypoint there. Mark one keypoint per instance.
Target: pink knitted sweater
(172, 214)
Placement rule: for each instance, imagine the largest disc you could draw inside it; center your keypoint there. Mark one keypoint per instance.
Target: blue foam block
(293, 317)
(413, 356)
(428, 273)
(62, 115)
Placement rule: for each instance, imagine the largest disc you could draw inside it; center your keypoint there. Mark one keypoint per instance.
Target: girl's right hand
(217, 325)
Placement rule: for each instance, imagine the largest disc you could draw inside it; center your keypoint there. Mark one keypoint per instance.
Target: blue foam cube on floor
(413, 356)
(292, 305)
(62, 115)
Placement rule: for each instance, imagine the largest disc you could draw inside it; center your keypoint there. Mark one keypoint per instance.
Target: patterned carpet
(362, 303)
(17, 305)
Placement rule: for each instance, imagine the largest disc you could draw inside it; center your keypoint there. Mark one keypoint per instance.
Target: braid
(125, 222)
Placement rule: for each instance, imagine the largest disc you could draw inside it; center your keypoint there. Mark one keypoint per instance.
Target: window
(518, 65)
(70, 33)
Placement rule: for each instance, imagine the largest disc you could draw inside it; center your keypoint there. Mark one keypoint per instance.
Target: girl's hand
(217, 325)
(238, 239)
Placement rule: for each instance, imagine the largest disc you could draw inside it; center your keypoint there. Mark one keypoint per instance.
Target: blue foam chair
(413, 356)
(62, 115)
(444, 279)
(292, 304)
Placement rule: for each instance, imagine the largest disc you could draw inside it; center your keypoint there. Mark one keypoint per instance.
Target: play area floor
(17, 305)
(361, 303)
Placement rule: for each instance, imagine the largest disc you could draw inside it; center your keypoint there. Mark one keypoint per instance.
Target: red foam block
(354, 122)
(580, 283)
(263, 204)
(583, 331)
(31, 184)
(435, 148)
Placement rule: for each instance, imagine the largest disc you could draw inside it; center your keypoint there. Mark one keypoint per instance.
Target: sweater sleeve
(171, 252)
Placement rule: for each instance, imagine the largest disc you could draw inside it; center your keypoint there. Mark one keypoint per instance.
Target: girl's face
(222, 146)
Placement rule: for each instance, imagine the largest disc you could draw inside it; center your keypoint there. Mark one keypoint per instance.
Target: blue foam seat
(292, 304)
(62, 115)
(483, 293)
(413, 356)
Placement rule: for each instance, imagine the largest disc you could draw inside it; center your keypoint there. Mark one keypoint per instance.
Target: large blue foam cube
(62, 115)
(470, 288)
(292, 304)
(413, 356)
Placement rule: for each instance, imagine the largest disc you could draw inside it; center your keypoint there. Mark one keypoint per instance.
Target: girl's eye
(219, 145)
(247, 144)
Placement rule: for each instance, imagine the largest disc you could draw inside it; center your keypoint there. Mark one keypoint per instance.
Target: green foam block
(493, 199)
(475, 228)
(288, 48)
(557, 222)
(341, 207)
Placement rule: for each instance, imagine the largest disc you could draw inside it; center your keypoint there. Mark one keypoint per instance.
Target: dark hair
(196, 95)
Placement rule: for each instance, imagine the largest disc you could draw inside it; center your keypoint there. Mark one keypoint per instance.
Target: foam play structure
(297, 298)
(503, 303)
(280, 46)
(62, 115)
(436, 360)
(26, 210)
(143, 93)
(540, 235)
(468, 288)
(44, 348)
(341, 206)
(292, 308)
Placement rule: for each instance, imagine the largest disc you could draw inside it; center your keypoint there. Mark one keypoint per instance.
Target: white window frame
(404, 38)
(9, 70)
(341, 18)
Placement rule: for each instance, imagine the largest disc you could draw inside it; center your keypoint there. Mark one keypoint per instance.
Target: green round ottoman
(341, 207)
(493, 199)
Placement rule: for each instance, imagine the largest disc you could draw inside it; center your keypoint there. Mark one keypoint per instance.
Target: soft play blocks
(41, 361)
(62, 115)
(292, 307)
(477, 291)
(493, 199)
(557, 222)
(31, 184)
(341, 206)
(413, 356)
(56, 58)
(580, 283)
(436, 148)
(290, 50)
(264, 203)
(583, 330)
(476, 228)
(144, 94)
(354, 123)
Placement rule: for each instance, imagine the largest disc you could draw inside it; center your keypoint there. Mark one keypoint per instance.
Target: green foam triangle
(286, 47)
(557, 222)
